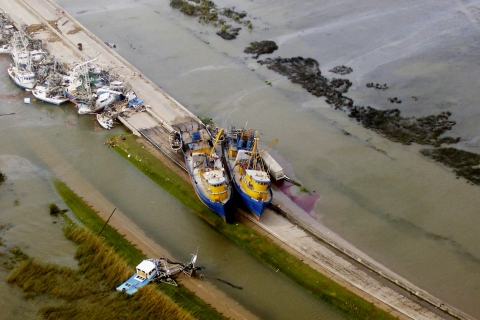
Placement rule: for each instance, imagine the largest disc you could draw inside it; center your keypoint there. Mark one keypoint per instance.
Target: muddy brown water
(386, 199)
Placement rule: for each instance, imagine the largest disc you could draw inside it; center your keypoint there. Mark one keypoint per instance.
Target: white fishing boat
(42, 93)
(104, 100)
(21, 58)
(105, 120)
(84, 108)
(6, 48)
(22, 78)
(77, 84)
(37, 55)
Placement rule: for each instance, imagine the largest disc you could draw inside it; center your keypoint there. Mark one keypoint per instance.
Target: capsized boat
(205, 167)
(44, 94)
(105, 119)
(247, 170)
(157, 270)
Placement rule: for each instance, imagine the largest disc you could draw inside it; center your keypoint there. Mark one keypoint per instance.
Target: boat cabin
(145, 270)
(215, 182)
(37, 55)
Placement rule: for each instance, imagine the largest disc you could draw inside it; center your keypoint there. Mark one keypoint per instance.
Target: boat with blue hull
(247, 170)
(205, 167)
(158, 270)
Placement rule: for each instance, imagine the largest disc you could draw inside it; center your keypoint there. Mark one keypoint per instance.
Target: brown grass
(88, 292)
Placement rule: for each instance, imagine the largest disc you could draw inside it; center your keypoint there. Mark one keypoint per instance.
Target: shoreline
(169, 162)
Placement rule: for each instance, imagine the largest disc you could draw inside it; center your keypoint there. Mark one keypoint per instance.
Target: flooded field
(405, 211)
(41, 142)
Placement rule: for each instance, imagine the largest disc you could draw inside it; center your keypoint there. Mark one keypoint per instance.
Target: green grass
(132, 256)
(259, 246)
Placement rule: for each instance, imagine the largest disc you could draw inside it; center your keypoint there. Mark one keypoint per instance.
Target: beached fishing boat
(247, 170)
(44, 94)
(6, 48)
(105, 120)
(77, 84)
(157, 270)
(205, 167)
(22, 78)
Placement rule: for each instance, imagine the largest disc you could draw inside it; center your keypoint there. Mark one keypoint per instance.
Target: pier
(163, 111)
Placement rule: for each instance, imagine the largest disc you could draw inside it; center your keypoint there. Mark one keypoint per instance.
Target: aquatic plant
(389, 123)
(55, 210)
(342, 70)
(207, 12)
(261, 47)
(3, 177)
(465, 164)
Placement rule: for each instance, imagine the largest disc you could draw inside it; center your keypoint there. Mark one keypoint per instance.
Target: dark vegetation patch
(341, 70)
(306, 72)
(389, 123)
(227, 32)
(208, 12)
(465, 164)
(377, 86)
(3, 177)
(261, 47)
(55, 210)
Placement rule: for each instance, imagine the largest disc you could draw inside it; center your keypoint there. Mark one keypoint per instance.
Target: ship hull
(23, 85)
(256, 206)
(220, 208)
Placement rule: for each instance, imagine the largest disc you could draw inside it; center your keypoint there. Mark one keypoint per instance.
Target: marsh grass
(87, 291)
(261, 247)
(113, 245)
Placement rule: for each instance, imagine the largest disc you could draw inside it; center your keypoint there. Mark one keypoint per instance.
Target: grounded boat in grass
(205, 167)
(157, 270)
(247, 170)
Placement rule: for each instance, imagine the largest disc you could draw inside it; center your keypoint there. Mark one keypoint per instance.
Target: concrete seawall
(164, 111)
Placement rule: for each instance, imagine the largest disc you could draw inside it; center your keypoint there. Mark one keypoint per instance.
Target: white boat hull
(41, 95)
(25, 80)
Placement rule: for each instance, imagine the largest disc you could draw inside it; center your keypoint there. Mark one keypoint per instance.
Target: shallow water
(408, 213)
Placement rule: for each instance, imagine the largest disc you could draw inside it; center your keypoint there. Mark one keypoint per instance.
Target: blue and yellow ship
(205, 167)
(247, 170)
